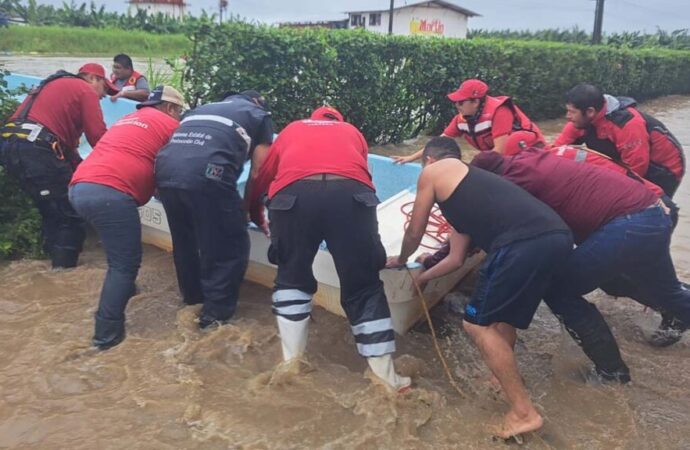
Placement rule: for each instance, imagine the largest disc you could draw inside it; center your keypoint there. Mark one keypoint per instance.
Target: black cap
(254, 95)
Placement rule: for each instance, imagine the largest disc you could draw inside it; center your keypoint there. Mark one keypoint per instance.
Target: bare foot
(514, 425)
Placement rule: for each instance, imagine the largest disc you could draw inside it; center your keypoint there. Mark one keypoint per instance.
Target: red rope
(437, 228)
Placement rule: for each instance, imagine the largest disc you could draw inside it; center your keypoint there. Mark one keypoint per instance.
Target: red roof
(159, 2)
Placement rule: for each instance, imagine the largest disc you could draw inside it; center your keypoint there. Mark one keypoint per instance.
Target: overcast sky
(619, 15)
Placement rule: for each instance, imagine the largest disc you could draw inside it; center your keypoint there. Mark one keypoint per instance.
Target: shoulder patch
(620, 117)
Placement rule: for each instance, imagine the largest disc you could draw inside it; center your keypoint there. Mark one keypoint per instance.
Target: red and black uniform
(320, 189)
(623, 133)
(497, 116)
(39, 148)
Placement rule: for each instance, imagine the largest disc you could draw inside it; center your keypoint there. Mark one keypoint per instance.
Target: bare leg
(510, 335)
(498, 355)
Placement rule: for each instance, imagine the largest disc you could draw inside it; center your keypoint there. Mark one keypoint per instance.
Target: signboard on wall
(427, 27)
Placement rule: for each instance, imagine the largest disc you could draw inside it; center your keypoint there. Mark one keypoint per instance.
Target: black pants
(343, 214)
(45, 178)
(210, 247)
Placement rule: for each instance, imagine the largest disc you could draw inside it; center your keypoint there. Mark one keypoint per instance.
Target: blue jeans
(116, 218)
(635, 247)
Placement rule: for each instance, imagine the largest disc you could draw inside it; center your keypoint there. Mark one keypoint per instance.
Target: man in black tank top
(525, 242)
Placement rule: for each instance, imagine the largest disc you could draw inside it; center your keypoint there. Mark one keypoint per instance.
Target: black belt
(324, 177)
(30, 132)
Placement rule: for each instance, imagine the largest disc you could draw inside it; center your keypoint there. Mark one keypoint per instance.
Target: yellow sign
(424, 26)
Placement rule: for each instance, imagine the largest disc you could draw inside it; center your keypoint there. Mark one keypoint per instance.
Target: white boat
(395, 186)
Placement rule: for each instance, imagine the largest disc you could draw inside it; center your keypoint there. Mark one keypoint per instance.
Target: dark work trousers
(342, 213)
(632, 246)
(45, 178)
(210, 247)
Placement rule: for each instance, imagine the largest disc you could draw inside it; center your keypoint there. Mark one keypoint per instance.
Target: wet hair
(585, 96)
(123, 60)
(441, 147)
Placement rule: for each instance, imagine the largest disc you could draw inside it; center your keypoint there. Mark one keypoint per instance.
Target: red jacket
(68, 107)
(310, 147)
(581, 155)
(498, 117)
(625, 134)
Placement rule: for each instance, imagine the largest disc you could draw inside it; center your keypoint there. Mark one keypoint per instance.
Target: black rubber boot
(63, 258)
(593, 335)
(669, 332)
(210, 323)
(108, 333)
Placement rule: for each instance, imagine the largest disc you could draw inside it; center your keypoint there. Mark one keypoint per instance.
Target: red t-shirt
(68, 107)
(123, 159)
(311, 147)
(585, 196)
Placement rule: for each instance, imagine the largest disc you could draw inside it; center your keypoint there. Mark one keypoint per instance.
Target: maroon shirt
(68, 107)
(585, 196)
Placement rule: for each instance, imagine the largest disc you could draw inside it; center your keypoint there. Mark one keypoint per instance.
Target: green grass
(90, 41)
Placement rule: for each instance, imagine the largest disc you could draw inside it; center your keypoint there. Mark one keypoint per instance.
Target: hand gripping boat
(395, 187)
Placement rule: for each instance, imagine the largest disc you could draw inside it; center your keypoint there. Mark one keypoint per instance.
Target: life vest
(664, 149)
(131, 82)
(477, 130)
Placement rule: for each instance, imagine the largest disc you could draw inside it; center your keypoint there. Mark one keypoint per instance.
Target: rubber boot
(293, 337)
(108, 333)
(64, 258)
(669, 332)
(594, 336)
(383, 367)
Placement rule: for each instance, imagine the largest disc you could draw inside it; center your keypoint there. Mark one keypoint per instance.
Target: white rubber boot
(293, 337)
(383, 367)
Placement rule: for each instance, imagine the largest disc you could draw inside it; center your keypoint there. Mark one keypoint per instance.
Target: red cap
(99, 71)
(469, 89)
(519, 141)
(327, 113)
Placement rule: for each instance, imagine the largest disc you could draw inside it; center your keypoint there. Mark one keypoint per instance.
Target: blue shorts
(514, 278)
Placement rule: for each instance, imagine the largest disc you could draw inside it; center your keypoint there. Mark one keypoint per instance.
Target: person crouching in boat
(106, 190)
(320, 189)
(525, 243)
(483, 120)
(38, 147)
(196, 177)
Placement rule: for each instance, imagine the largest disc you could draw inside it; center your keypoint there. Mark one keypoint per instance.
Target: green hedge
(20, 222)
(394, 87)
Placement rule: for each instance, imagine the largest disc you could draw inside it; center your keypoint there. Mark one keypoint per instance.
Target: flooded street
(169, 386)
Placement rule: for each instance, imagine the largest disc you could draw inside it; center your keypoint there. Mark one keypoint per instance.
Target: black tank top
(496, 212)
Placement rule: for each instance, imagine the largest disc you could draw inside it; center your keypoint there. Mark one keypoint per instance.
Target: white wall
(169, 10)
(440, 22)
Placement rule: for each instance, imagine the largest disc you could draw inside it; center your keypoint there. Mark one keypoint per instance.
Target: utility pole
(390, 17)
(598, 22)
(222, 6)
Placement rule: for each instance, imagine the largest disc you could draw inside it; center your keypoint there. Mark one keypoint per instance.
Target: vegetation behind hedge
(393, 87)
(20, 222)
(90, 41)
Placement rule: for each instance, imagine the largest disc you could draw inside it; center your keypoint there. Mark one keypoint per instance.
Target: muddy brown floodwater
(169, 386)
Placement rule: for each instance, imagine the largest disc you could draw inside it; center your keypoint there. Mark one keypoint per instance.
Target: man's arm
(420, 217)
(568, 135)
(92, 118)
(140, 93)
(459, 244)
(266, 175)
